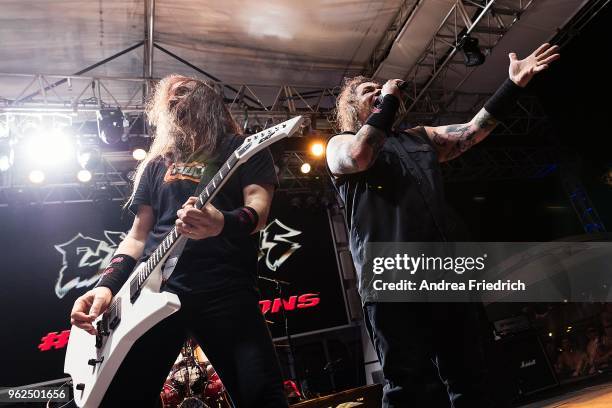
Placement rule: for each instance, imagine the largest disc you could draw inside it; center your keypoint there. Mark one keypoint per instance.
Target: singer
(395, 175)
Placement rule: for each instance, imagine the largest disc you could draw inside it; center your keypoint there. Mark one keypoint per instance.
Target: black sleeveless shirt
(400, 198)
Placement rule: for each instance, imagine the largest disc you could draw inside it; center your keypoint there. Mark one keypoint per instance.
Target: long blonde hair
(189, 117)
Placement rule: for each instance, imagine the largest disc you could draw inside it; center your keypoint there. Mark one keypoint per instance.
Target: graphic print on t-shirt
(191, 171)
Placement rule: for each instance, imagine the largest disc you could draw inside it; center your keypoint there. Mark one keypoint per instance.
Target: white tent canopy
(313, 43)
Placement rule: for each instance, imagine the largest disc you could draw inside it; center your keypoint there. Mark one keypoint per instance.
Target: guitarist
(215, 275)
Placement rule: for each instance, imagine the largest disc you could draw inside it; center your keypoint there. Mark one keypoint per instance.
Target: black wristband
(240, 222)
(383, 115)
(117, 272)
(502, 102)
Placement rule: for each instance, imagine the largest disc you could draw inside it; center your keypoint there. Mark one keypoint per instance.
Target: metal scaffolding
(434, 98)
(383, 48)
(84, 95)
(437, 76)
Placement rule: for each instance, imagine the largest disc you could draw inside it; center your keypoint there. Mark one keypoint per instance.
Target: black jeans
(422, 346)
(232, 332)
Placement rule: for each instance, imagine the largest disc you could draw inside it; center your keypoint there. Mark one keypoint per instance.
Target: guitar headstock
(266, 137)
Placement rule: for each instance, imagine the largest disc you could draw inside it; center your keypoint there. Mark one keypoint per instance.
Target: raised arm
(453, 140)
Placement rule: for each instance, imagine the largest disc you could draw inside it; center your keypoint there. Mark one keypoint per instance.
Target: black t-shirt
(213, 263)
(400, 198)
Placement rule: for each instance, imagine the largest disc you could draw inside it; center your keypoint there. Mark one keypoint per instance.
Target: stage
(597, 396)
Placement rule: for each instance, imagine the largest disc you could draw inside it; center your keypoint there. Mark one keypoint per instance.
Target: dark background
(31, 265)
(574, 93)
(311, 269)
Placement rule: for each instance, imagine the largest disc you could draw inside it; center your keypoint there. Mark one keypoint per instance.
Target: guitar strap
(209, 171)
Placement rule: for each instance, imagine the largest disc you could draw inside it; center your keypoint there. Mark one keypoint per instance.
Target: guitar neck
(248, 148)
(173, 237)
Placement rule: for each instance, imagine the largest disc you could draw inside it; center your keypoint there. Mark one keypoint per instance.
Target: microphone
(402, 87)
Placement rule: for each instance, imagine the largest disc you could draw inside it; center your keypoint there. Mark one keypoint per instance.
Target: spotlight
(84, 176)
(139, 145)
(139, 154)
(472, 56)
(305, 168)
(317, 149)
(110, 125)
(49, 149)
(37, 176)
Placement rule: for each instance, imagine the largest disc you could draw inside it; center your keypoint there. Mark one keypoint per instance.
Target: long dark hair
(189, 117)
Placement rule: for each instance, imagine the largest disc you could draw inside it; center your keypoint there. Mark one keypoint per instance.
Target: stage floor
(598, 396)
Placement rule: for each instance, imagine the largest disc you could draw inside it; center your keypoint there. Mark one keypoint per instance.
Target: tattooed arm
(453, 140)
(348, 154)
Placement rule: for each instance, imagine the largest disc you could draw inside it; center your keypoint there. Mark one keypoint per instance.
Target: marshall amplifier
(527, 363)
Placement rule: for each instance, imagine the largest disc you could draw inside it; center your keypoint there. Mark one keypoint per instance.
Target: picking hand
(521, 71)
(89, 306)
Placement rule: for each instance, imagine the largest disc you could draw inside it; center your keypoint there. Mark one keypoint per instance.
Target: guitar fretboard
(171, 239)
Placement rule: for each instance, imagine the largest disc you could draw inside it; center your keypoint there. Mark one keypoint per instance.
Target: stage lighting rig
(139, 145)
(111, 124)
(472, 55)
(37, 176)
(139, 154)
(84, 176)
(317, 149)
(49, 148)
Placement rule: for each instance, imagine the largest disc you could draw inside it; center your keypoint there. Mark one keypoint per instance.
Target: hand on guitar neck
(199, 223)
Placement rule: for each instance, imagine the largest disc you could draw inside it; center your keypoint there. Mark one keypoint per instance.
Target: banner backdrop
(296, 247)
(51, 254)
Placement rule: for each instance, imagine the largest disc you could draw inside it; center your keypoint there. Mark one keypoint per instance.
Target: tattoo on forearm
(439, 140)
(457, 139)
(484, 120)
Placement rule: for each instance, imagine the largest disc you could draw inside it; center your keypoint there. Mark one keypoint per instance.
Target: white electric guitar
(92, 361)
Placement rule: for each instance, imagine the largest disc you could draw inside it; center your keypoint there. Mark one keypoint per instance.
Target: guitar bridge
(110, 320)
(101, 330)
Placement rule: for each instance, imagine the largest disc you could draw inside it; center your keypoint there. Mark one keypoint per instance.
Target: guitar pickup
(134, 289)
(114, 314)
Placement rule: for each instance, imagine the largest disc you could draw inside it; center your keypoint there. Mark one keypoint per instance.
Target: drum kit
(193, 382)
